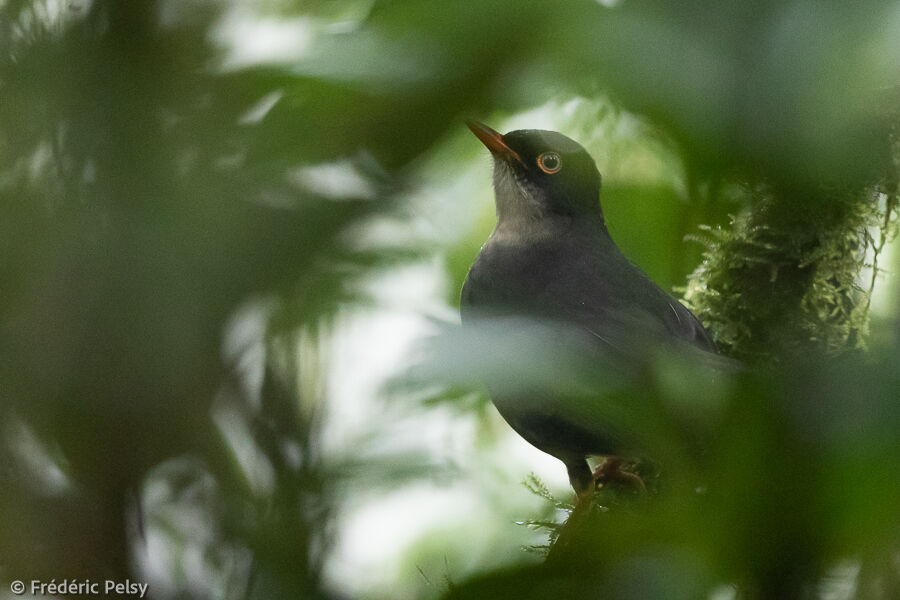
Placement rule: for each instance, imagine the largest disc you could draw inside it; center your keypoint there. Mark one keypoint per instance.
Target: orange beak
(494, 142)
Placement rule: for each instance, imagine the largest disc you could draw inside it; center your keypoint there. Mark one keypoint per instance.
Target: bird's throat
(520, 215)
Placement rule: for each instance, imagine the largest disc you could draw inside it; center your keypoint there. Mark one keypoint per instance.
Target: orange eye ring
(549, 162)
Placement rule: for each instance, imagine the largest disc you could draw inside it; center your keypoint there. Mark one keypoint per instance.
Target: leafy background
(230, 228)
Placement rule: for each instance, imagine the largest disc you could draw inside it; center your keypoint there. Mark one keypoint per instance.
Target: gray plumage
(551, 258)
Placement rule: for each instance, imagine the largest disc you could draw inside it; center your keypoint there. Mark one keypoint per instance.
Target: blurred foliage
(787, 492)
(181, 219)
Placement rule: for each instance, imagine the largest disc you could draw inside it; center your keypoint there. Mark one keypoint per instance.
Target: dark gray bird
(550, 257)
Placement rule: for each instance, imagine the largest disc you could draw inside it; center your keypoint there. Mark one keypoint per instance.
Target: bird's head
(541, 175)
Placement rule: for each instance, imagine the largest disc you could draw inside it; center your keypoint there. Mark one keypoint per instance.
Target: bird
(551, 257)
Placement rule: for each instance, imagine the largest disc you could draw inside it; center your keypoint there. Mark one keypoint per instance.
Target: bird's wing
(583, 282)
(685, 325)
(619, 302)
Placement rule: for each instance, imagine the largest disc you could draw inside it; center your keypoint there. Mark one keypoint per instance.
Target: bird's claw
(610, 472)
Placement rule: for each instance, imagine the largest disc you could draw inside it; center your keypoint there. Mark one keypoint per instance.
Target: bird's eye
(549, 162)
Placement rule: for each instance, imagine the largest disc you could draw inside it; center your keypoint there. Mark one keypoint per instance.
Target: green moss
(789, 274)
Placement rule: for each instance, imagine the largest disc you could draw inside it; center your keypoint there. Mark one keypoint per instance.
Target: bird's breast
(550, 278)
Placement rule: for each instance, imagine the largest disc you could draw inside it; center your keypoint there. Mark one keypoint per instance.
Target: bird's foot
(584, 499)
(581, 510)
(610, 473)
